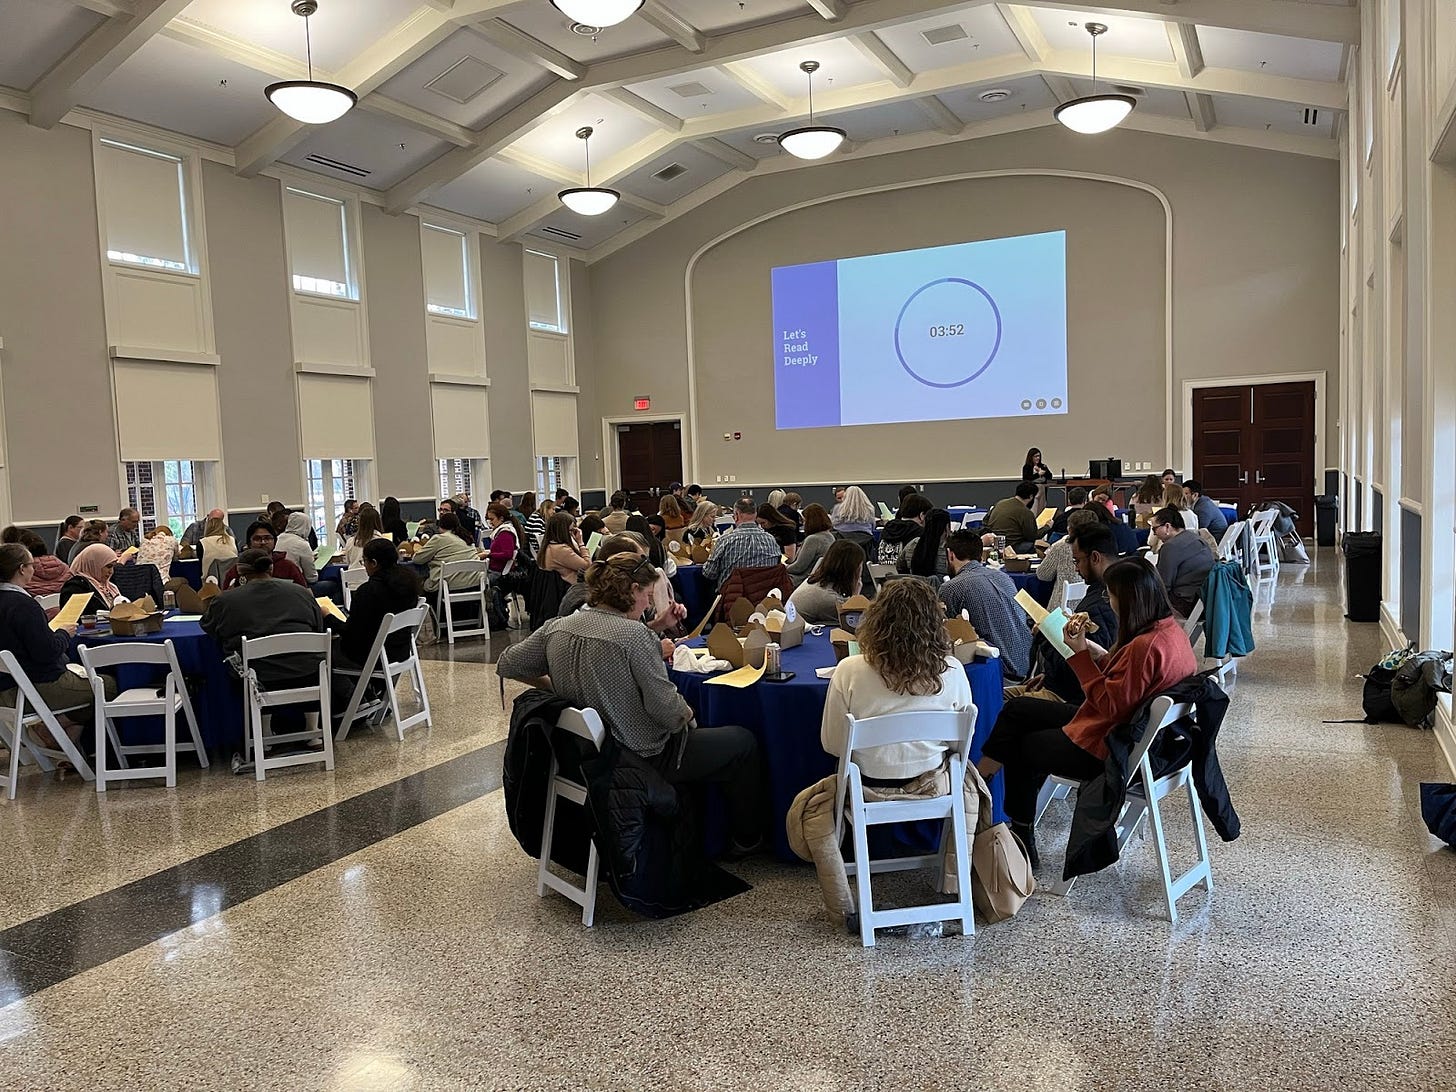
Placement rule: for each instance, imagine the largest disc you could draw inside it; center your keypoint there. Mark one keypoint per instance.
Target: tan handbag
(1001, 879)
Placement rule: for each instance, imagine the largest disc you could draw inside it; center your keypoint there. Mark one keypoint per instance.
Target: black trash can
(1326, 516)
(1362, 576)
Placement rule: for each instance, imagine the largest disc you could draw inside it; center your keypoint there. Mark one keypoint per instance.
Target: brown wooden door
(1256, 443)
(650, 455)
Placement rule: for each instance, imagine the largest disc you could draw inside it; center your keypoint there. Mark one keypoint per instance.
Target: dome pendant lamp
(812, 141)
(310, 101)
(1095, 113)
(597, 13)
(588, 200)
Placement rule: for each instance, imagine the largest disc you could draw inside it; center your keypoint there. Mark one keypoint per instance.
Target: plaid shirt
(989, 597)
(747, 546)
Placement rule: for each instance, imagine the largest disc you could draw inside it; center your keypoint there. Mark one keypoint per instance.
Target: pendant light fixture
(597, 13)
(1095, 113)
(588, 200)
(812, 141)
(310, 101)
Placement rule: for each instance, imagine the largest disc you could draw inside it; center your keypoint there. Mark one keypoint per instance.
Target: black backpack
(1376, 699)
(1415, 686)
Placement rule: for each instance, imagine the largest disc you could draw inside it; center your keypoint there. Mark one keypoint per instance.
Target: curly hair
(610, 583)
(902, 636)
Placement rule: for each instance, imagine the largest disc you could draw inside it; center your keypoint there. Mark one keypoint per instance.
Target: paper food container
(702, 551)
(1016, 564)
(136, 618)
(753, 647)
(841, 640)
(788, 634)
(723, 644)
(190, 601)
(851, 611)
(773, 601)
(740, 612)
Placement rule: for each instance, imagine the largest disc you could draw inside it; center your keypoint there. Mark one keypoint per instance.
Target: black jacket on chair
(1092, 843)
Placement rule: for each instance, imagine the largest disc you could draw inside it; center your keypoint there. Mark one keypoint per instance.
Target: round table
(190, 570)
(694, 591)
(785, 717)
(1041, 590)
(216, 693)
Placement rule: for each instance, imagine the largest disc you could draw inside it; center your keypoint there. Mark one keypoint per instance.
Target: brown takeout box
(702, 551)
(840, 640)
(189, 601)
(136, 618)
(739, 613)
(850, 612)
(753, 647)
(787, 634)
(963, 638)
(723, 644)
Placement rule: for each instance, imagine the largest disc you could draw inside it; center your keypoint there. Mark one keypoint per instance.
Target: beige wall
(512, 462)
(1255, 290)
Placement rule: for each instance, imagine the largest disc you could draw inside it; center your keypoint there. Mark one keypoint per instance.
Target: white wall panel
(327, 332)
(549, 359)
(156, 310)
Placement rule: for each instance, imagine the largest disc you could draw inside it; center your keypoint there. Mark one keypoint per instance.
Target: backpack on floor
(1376, 701)
(1415, 686)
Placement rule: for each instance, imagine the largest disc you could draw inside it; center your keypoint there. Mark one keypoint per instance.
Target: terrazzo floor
(1323, 959)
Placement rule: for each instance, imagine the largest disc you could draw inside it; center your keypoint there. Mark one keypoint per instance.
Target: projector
(1104, 468)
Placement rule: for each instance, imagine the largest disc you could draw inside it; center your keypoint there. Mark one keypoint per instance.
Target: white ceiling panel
(986, 35)
(841, 65)
(593, 230)
(1297, 57)
(744, 141)
(517, 79)
(370, 142)
(701, 169)
(35, 34)
(677, 95)
(495, 190)
(1143, 39)
(1028, 93)
(341, 30)
(1278, 117)
(617, 129)
(878, 122)
(717, 16)
(544, 23)
(176, 86)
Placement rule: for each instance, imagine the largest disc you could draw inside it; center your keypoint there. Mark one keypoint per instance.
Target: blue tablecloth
(1040, 590)
(786, 716)
(959, 512)
(191, 571)
(216, 695)
(694, 591)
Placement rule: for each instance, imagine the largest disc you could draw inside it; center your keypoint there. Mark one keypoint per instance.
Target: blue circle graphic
(995, 347)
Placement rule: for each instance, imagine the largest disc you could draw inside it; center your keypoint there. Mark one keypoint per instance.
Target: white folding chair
(585, 724)
(352, 578)
(29, 713)
(882, 572)
(1230, 547)
(1076, 591)
(478, 593)
(256, 734)
(379, 667)
(948, 727)
(1144, 792)
(515, 605)
(49, 602)
(140, 701)
(1266, 543)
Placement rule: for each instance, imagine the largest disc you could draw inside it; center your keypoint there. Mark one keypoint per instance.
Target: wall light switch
(265, 498)
(732, 477)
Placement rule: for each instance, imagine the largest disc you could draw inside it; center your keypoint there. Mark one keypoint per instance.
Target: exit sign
(643, 403)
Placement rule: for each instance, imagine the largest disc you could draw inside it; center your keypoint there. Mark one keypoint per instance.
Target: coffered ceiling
(471, 106)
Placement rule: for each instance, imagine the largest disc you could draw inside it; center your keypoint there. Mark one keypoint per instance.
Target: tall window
(163, 492)
(145, 203)
(318, 244)
(330, 484)
(544, 310)
(446, 257)
(454, 477)
(551, 475)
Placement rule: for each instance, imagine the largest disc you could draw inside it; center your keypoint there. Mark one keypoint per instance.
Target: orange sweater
(1117, 687)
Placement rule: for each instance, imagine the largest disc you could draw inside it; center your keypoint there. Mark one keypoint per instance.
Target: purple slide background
(807, 396)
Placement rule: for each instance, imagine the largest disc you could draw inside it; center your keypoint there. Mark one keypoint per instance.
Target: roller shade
(446, 285)
(462, 426)
(553, 423)
(543, 298)
(336, 417)
(144, 203)
(166, 411)
(317, 243)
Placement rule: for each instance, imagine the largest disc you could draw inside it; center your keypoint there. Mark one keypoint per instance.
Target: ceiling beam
(874, 50)
(941, 116)
(1026, 31)
(415, 118)
(833, 10)
(546, 168)
(648, 111)
(1212, 81)
(726, 154)
(1292, 18)
(1200, 109)
(658, 15)
(756, 85)
(1187, 53)
(102, 7)
(526, 48)
(81, 71)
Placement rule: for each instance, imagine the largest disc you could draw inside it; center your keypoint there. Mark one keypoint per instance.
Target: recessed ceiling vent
(464, 80)
(671, 171)
(586, 30)
(766, 138)
(941, 35)
(560, 233)
(996, 94)
(692, 90)
(1311, 116)
(336, 165)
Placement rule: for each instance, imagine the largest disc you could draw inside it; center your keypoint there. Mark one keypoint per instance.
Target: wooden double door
(1254, 443)
(649, 457)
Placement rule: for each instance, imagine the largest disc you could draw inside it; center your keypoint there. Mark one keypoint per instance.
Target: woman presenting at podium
(1037, 472)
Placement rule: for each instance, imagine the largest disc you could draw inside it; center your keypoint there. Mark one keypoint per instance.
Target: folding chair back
(1229, 547)
(478, 592)
(585, 724)
(1266, 543)
(378, 666)
(49, 602)
(351, 579)
(29, 712)
(1076, 591)
(954, 729)
(256, 699)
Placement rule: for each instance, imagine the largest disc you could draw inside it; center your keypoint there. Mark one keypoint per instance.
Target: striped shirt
(603, 661)
(988, 596)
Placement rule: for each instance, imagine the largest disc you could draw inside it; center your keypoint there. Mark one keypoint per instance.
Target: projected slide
(971, 330)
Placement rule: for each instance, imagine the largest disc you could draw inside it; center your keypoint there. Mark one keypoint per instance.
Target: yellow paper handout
(743, 677)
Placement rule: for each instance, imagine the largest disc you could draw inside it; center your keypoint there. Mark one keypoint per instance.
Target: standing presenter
(1038, 473)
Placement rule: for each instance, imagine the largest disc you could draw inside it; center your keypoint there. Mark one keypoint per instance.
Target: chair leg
(171, 745)
(103, 733)
(864, 897)
(1200, 838)
(963, 864)
(196, 735)
(14, 760)
(417, 678)
(1160, 847)
(548, 830)
(259, 755)
(393, 685)
(593, 865)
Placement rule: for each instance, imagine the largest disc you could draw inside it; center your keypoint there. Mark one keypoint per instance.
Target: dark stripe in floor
(54, 947)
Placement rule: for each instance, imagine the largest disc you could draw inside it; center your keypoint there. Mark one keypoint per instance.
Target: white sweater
(858, 689)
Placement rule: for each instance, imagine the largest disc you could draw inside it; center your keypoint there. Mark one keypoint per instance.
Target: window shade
(166, 411)
(336, 417)
(316, 239)
(144, 204)
(543, 300)
(462, 425)
(446, 285)
(553, 423)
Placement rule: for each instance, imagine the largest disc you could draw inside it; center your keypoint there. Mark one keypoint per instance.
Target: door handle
(1244, 478)
(1258, 477)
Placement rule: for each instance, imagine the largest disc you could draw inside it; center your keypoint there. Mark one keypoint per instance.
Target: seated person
(293, 544)
(853, 513)
(198, 527)
(368, 525)
(1147, 500)
(924, 555)
(1173, 498)
(1210, 515)
(605, 659)
(503, 542)
(447, 546)
(92, 569)
(615, 518)
(69, 536)
(769, 517)
(1056, 567)
(562, 551)
(260, 537)
(466, 528)
(988, 596)
(1034, 739)
(898, 533)
(1093, 549)
(261, 606)
(788, 506)
(787, 536)
(41, 653)
(701, 524)
(1183, 559)
(216, 543)
(629, 542)
(392, 588)
(747, 546)
(836, 578)
(673, 517)
(1076, 498)
(1012, 518)
(594, 525)
(126, 531)
(158, 548)
(50, 573)
(818, 537)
